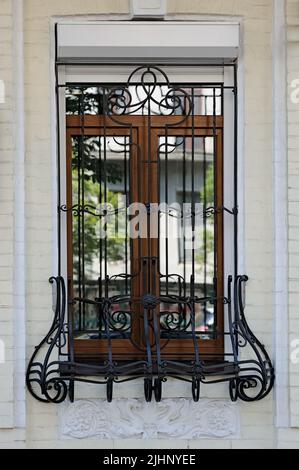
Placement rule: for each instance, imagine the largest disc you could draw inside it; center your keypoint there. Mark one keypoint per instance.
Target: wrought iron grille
(140, 302)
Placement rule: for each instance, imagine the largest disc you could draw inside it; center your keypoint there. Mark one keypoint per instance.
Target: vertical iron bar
(129, 200)
(58, 172)
(126, 234)
(149, 186)
(105, 110)
(215, 158)
(166, 205)
(235, 171)
(139, 177)
(235, 91)
(184, 215)
(159, 213)
(83, 212)
(205, 226)
(192, 199)
(79, 218)
(58, 162)
(100, 241)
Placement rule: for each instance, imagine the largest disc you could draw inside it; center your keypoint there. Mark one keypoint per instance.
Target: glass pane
(187, 238)
(84, 100)
(101, 246)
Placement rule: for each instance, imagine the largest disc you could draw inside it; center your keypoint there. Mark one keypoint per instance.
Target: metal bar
(235, 176)
(149, 183)
(192, 291)
(138, 64)
(101, 239)
(183, 213)
(126, 229)
(166, 215)
(201, 85)
(215, 192)
(235, 171)
(105, 113)
(205, 226)
(79, 232)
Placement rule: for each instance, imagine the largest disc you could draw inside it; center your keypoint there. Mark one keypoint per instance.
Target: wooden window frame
(95, 350)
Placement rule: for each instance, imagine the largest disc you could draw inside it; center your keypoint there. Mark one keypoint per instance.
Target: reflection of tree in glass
(89, 152)
(94, 195)
(115, 244)
(84, 100)
(206, 251)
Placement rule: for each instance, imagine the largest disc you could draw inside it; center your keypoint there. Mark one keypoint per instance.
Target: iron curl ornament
(163, 315)
(43, 377)
(51, 372)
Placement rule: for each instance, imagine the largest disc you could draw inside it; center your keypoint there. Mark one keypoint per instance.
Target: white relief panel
(135, 419)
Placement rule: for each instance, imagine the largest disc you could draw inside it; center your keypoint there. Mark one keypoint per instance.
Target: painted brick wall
(290, 437)
(257, 428)
(11, 395)
(7, 149)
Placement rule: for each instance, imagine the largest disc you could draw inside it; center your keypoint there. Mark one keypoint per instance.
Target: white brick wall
(258, 140)
(7, 149)
(257, 429)
(287, 438)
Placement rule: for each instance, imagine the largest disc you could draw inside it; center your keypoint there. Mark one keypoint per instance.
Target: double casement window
(144, 214)
(147, 284)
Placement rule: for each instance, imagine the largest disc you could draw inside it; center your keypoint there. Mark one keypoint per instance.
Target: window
(145, 157)
(148, 220)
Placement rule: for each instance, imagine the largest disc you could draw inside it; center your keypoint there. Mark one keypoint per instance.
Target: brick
(42, 429)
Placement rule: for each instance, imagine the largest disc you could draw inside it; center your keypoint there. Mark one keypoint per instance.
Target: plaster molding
(135, 419)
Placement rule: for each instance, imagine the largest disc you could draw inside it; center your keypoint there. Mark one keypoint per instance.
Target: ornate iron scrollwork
(51, 373)
(43, 377)
(255, 375)
(163, 313)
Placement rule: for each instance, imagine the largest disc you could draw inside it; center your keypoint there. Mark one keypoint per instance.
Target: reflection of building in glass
(185, 166)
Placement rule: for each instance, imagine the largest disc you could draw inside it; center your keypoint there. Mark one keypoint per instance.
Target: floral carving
(133, 418)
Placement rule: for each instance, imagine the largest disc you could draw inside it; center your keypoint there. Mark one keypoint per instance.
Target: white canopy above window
(128, 41)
